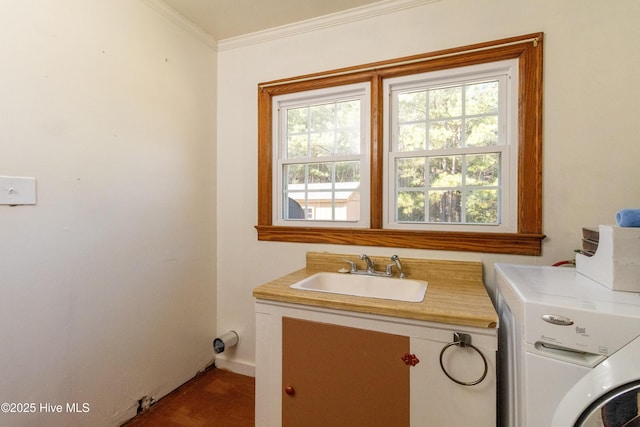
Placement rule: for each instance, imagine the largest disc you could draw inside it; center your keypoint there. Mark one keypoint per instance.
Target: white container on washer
(616, 262)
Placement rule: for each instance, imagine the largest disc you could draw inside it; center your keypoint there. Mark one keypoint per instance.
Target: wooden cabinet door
(340, 376)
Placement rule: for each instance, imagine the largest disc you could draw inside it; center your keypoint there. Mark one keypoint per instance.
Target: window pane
(348, 142)
(481, 131)
(295, 174)
(482, 207)
(412, 106)
(412, 137)
(411, 172)
(297, 120)
(347, 206)
(348, 173)
(445, 134)
(481, 98)
(320, 173)
(483, 169)
(445, 171)
(445, 206)
(322, 144)
(445, 102)
(410, 206)
(348, 114)
(322, 117)
(294, 209)
(297, 145)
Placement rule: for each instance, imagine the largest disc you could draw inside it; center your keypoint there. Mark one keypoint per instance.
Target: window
(321, 157)
(450, 149)
(435, 151)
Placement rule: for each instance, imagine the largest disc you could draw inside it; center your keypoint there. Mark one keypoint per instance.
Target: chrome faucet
(396, 260)
(371, 270)
(370, 266)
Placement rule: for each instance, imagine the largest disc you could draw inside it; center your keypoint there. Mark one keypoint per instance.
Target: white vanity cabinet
(377, 360)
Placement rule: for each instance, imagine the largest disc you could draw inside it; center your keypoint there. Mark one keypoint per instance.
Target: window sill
(499, 243)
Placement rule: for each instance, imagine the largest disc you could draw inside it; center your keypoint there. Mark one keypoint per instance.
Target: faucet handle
(389, 269)
(353, 268)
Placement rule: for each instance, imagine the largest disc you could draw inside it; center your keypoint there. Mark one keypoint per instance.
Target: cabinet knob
(410, 359)
(290, 390)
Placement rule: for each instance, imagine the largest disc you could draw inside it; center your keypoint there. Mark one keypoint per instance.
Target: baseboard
(236, 366)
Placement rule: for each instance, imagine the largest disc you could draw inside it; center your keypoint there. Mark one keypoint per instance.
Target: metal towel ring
(464, 340)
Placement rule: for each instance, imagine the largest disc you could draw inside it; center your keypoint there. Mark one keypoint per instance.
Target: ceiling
(224, 19)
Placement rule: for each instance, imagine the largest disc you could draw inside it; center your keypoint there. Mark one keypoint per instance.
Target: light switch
(17, 190)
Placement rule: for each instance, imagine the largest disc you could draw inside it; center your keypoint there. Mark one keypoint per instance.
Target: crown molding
(182, 21)
(326, 21)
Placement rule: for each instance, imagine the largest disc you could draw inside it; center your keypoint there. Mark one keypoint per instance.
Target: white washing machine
(569, 350)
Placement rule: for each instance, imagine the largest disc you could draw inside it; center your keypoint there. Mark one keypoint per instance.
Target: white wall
(591, 145)
(107, 285)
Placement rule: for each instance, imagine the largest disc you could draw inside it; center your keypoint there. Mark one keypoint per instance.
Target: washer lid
(563, 308)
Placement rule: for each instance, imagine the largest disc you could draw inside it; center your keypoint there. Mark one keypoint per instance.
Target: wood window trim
(527, 240)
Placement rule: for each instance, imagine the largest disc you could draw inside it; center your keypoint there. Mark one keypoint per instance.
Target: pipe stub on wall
(228, 339)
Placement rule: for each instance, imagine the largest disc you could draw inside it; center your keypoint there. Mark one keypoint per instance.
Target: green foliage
(410, 206)
(458, 188)
(482, 207)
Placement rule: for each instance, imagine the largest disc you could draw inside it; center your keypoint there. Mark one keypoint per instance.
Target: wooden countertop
(455, 292)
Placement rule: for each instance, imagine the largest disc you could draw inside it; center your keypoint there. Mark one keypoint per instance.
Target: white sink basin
(365, 286)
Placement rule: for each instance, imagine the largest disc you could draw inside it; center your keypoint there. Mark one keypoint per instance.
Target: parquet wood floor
(214, 397)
